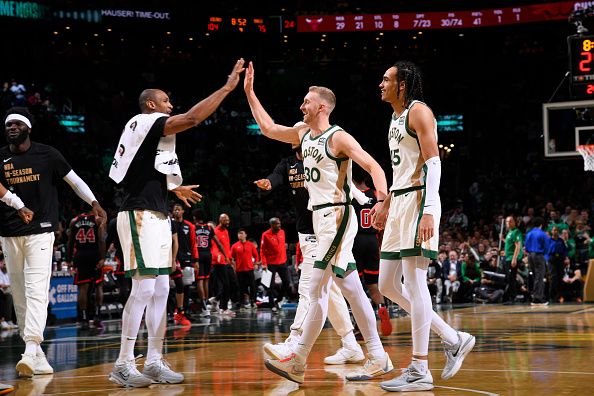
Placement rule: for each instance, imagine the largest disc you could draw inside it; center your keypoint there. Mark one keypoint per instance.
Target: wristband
(12, 200)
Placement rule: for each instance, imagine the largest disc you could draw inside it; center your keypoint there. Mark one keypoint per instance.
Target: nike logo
(327, 214)
(125, 376)
(43, 248)
(7, 159)
(292, 166)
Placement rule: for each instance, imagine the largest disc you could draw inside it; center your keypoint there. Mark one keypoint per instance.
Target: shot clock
(581, 65)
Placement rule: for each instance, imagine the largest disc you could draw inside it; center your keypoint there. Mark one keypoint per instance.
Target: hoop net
(587, 151)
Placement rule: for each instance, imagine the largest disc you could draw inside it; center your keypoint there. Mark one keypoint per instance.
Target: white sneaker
(227, 313)
(26, 366)
(12, 325)
(160, 372)
(410, 380)
(346, 356)
(214, 304)
(278, 351)
(42, 367)
(4, 325)
(289, 368)
(126, 374)
(372, 368)
(456, 353)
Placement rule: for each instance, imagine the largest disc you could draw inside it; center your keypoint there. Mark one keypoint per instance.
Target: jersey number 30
(312, 174)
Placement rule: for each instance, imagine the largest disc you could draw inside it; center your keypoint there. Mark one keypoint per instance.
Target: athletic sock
(349, 341)
(155, 346)
(422, 365)
(127, 348)
(31, 348)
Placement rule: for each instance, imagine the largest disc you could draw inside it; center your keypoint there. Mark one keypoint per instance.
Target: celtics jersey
(408, 165)
(327, 178)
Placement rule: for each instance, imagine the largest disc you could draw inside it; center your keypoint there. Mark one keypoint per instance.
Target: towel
(134, 133)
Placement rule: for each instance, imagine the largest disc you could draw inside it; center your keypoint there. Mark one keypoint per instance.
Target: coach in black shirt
(33, 170)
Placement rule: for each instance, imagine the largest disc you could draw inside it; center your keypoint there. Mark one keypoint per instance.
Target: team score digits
(85, 237)
(312, 175)
(587, 45)
(365, 218)
(202, 241)
(585, 62)
(395, 155)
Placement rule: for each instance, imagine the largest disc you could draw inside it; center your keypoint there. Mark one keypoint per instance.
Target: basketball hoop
(587, 151)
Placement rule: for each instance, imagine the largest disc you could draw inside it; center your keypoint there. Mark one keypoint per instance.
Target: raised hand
(187, 195)
(233, 78)
(263, 184)
(248, 80)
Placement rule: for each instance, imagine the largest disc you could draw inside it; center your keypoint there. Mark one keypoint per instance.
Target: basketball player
(204, 237)
(327, 154)
(143, 224)
(86, 252)
(33, 170)
(366, 249)
(187, 256)
(16, 203)
(290, 171)
(411, 226)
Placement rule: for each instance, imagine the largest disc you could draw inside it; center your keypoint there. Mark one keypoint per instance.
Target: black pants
(283, 272)
(571, 291)
(247, 284)
(222, 284)
(511, 274)
(6, 306)
(556, 271)
(538, 266)
(233, 285)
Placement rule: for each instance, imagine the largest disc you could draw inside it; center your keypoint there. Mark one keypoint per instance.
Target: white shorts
(335, 228)
(308, 244)
(145, 236)
(401, 236)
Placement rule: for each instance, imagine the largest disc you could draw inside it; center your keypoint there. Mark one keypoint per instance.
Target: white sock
(415, 282)
(142, 292)
(352, 290)
(39, 351)
(422, 365)
(390, 285)
(156, 318)
(350, 342)
(31, 348)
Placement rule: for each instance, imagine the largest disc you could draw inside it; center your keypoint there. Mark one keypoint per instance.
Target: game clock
(581, 65)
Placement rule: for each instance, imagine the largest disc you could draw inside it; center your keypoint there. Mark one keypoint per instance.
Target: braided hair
(411, 75)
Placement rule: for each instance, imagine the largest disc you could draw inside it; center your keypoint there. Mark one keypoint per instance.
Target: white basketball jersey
(327, 178)
(408, 165)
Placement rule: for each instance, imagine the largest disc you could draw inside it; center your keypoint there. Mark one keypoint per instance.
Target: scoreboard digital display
(435, 20)
(240, 24)
(581, 65)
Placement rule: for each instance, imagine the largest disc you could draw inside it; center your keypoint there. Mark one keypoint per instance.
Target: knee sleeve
(179, 285)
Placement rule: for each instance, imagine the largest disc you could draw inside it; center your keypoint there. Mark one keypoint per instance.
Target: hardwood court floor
(520, 350)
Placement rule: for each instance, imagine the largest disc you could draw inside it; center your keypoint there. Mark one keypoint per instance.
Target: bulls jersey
(84, 235)
(327, 178)
(186, 239)
(408, 165)
(363, 212)
(204, 237)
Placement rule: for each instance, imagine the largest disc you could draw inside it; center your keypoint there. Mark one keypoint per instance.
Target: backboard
(566, 125)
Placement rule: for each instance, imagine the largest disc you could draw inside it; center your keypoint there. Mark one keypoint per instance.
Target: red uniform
(272, 248)
(222, 235)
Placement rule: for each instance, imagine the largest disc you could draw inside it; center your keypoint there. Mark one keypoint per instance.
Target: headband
(18, 117)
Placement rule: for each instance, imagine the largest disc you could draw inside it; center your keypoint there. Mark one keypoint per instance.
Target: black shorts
(86, 268)
(205, 263)
(366, 252)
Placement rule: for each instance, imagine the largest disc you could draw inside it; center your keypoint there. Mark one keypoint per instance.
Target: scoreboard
(435, 20)
(239, 24)
(581, 65)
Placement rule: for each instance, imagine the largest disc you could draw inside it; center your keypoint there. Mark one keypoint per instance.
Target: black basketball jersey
(84, 235)
(363, 213)
(204, 237)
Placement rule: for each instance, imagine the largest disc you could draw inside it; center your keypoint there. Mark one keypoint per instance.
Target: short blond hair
(326, 95)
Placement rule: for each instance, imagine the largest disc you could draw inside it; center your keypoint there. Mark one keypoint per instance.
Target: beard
(18, 139)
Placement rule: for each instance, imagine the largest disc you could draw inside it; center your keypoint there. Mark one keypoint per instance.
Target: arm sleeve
(433, 174)
(278, 175)
(80, 187)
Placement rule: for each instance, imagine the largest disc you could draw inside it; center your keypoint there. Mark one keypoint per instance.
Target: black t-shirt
(363, 211)
(144, 187)
(290, 171)
(34, 176)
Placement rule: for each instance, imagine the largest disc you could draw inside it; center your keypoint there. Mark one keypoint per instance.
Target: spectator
(569, 244)
(434, 277)
(513, 255)
(452, 271)
(536, 243)
(458, 218)
(274, 258)
(556, 255)
(571, 287)
(5, 299)
(555, 221)
(492, 283)
(471, 275)
(18, 90)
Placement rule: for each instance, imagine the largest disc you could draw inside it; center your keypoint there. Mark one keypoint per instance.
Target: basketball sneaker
(289, 368)
(42, 367)
(160, 372)
(26, 366)
(180, 319)
(346, 356)
(456, 353)
(372, 368)
(410, 380)
(385, 324)
(126, 374)
(278, 351)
